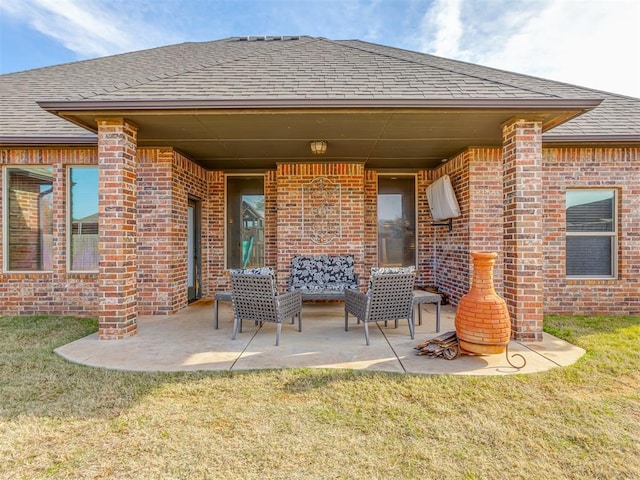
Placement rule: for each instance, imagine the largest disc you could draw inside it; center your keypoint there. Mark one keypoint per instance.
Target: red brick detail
(486, 209)
(166, 181)
(271, 217)
(370, 223)
(117, 223)
(425, 276)
(54, 292)
(443, 257)
(213, 241)
(523, 228)
(450, 260)
(290, 238)
(616, 168)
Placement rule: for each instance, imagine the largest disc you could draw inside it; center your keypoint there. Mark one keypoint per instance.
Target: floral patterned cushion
(339, 273)
(382, 270)
(386, 270)
(258, 271)
(323, 273)
(307, 273)
(254, 271)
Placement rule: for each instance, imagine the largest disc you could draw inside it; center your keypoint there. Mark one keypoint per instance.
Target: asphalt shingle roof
(286, 68)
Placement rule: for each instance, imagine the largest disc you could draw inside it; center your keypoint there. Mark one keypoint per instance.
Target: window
(396, 221)
(245, 221)
(29, 218)
(83, 219)
(591, 233)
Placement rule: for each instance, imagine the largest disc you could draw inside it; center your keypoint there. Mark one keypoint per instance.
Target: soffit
(259, 138)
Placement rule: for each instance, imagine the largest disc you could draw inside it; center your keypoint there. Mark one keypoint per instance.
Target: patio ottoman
(220, 297)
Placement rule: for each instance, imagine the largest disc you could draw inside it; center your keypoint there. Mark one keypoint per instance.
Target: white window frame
(613, 235)
(69, 220)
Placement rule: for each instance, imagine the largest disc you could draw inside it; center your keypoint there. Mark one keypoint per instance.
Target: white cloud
(592, 43)
(443, 19)
(87, 27)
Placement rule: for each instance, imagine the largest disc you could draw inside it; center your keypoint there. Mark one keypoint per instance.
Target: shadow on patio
(187, 341)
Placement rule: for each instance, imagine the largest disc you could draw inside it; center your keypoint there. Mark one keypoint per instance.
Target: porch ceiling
(231, 137)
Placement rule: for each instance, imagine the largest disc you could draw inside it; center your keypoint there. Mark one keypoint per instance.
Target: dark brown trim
(301, 103)
(591, 139)
(43, 141)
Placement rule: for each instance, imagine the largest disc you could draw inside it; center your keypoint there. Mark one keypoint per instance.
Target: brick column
(117, 245)
(523, 232)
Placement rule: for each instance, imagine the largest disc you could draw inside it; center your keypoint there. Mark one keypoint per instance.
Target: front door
(193, 251)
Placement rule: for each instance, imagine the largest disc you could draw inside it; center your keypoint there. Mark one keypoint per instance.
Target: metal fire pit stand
(448, 347)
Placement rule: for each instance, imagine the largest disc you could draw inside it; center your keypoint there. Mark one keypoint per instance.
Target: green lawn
(59, 420)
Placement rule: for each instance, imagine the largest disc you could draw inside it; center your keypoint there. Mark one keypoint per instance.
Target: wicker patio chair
(389, 297)
(255, 298)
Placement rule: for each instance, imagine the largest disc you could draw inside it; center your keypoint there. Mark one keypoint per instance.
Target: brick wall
(370, 224)
(617, 168)
(486, 209)
(117, 224)
(425, 233)
(450, 263)
(55, 292)
(291, 240)
(166, 182)
(213, 236)
(523, 232)
(271, 218)
(214, 230)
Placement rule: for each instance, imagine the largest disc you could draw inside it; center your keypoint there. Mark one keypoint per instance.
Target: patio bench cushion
(323, 274)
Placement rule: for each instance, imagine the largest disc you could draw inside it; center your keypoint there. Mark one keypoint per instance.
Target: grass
(64, 421)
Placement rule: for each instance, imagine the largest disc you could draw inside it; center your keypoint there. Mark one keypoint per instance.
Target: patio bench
(323, 277)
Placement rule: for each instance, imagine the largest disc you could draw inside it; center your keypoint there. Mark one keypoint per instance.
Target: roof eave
(56, 106)
(568, 139)
(30, 141)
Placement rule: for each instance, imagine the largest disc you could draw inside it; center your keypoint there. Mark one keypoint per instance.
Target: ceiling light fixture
(318, 147)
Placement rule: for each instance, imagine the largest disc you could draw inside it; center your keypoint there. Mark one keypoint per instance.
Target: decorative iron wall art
(321, 210)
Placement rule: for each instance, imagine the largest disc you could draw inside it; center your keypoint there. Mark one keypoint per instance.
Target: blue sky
(593, 43)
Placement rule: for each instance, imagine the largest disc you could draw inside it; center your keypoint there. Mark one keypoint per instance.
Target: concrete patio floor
(187, 341)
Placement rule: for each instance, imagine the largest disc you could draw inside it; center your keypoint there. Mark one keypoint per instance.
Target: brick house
(132, 183)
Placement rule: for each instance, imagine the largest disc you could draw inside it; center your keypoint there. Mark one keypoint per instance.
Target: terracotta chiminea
(483, 323)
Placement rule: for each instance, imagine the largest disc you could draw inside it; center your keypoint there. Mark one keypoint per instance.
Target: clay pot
(483, 323)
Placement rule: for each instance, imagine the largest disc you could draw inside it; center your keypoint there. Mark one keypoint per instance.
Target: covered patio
(187, 341)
